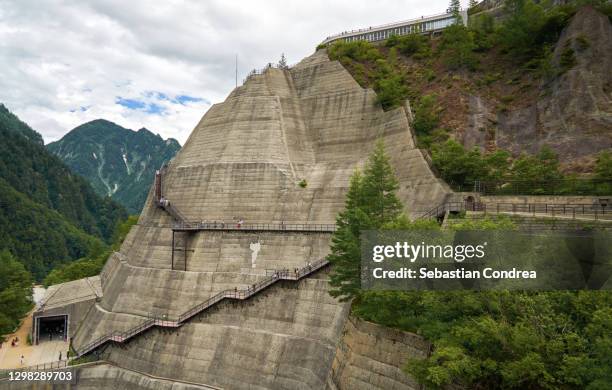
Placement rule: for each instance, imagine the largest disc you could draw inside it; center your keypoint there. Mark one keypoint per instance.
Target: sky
(159, 64)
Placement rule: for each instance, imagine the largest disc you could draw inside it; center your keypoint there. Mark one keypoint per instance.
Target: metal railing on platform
(590, 211)
(587, 186)
(185, 226)
(272, 277)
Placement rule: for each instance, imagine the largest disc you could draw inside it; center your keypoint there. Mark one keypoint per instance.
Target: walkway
(253, 227)
(45, 352)
(237, 294)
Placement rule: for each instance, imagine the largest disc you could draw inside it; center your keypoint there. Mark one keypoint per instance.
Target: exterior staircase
(273, 276)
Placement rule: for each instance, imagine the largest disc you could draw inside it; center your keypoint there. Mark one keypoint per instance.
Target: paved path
(45, 352)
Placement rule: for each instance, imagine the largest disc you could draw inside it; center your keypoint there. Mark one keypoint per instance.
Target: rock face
(574, 113)
(118, 162)
(245, 160)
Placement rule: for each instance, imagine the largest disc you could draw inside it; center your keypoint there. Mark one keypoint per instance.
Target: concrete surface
(245, 160)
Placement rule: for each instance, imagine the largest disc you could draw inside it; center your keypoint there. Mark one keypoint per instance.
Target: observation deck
(424, 24)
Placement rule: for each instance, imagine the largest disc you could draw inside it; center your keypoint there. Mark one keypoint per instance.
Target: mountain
(118, 162)
(48, 215)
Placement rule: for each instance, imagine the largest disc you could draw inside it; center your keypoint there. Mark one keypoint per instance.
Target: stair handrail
(229, 293)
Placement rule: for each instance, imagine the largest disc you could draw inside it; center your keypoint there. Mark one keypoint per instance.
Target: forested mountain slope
(118, 162)
(48, 215)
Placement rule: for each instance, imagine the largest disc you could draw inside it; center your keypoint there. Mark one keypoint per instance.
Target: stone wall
(371, 356)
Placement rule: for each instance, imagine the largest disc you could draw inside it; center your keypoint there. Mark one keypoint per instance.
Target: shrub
(567, 59)
(391, 91)
(582, 43)
(426, 115)
(457, 47)
(357, 51)
(603, 166)
(416, 45)
(303, 183)
(456, 165)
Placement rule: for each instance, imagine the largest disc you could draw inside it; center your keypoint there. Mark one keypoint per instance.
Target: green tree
(379, 188)
(371, 203)
(459, 167)
(472, 3)
(426, 115)
(15, 292)
(454, 8)
(457, 47)
(603, 166)
(536, 173)
(282, 63)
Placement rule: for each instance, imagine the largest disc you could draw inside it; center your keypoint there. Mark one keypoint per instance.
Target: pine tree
(454, 8)
(379, 187)
(472, 3)
(370, 203)
(346, 244)
(282, 63)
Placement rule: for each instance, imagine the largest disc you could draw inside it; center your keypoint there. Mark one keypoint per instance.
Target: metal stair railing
(236, 293)
(441, 209)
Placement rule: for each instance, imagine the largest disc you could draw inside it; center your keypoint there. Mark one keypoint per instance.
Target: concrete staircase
(236, 294)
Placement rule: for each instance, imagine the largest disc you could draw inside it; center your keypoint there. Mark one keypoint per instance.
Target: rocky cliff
(573, 113)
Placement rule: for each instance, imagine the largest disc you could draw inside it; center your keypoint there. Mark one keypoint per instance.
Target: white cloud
(67, 62)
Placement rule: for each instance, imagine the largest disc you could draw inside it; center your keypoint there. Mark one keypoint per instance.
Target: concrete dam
(279, 150)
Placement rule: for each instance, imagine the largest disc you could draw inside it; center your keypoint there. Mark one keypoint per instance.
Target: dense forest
(48, 215)
(481, 339)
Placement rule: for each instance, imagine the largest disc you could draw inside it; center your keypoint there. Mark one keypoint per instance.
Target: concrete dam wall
(245, 159)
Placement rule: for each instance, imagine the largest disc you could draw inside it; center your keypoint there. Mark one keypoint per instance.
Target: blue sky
(158, 65)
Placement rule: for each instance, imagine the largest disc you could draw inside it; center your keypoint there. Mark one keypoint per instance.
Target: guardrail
(186, 226)
(38, 367)
(425, 18)
(593, 187)
(284, 274)
(590, 211)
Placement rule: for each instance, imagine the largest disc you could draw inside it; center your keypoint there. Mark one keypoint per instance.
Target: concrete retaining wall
(371, 356)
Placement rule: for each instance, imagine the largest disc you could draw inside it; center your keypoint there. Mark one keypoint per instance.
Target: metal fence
(323, 228)
(38, 367)
(594, 187)
(590, 211)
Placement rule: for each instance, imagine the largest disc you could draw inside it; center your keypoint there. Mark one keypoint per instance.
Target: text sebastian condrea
(461, 273)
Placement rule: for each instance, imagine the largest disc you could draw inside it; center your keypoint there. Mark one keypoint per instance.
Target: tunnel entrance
(52, 328)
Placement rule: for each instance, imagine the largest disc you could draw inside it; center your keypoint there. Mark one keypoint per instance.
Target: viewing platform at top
(424, 24)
